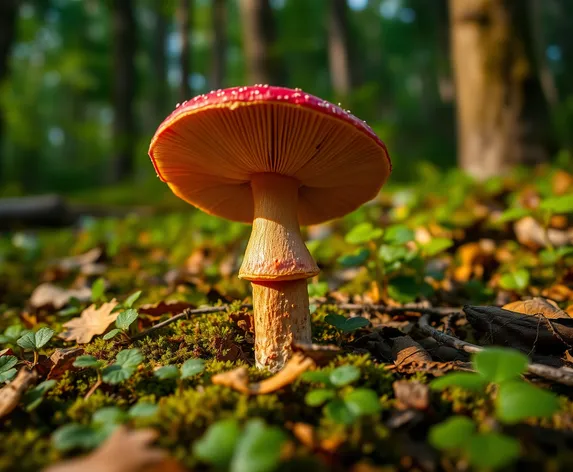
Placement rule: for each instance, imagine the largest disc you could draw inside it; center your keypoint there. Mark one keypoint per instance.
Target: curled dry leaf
(411, 394)
(531, 234)
(537, 306)
(61, 361)
(406, 351)
(50, 296)
(10, 394)
(124, 451)
(91, 322)
(238, 379)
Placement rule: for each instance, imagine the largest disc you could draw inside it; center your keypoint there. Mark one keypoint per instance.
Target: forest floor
(411, 286)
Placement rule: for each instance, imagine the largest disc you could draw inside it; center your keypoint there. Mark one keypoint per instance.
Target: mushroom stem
(277, 263)
(281, 317)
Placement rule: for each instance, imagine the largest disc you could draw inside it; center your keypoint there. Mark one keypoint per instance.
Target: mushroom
(277, 158)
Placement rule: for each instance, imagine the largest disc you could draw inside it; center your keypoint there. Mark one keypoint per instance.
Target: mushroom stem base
(281, 317)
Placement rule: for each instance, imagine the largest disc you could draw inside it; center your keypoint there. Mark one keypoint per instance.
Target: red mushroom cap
(210, 146)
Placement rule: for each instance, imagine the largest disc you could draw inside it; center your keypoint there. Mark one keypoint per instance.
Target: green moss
(25, 451)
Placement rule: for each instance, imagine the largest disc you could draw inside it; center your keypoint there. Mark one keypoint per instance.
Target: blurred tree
(8, 17)
(502, 113)
(184, 13)
(219, 43)
(259, 43)
(159, 60)
(124, 89)
(339, 48)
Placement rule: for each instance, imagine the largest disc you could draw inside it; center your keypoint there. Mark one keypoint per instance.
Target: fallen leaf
(164, 307)
(238, 379)
(537, 306)
(123, 451)
(411, 394)
(10, 394)
(50, 296)
(76, 262)
(531, 234)
(558, 292)
(91, 322)
(61, 361)
(308, 436)
(405, 351)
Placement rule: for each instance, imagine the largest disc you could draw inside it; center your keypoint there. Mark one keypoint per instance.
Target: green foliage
(7, 371)
(11, 334)
(98, 290)
(35, 341)
(363, 233)
(345, 324)
(517, 280)
(125, 363)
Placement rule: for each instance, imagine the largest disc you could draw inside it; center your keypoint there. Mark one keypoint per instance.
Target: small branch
(559, 375)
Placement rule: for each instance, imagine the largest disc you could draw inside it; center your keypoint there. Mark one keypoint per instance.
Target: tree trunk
(160, 103)
(219, 45)
(184, 21)
(339, 48)
(259, 38)
(124, 84)
(8, 18)
(502, 113)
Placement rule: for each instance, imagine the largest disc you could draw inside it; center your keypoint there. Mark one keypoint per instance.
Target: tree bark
(8, 18)
(259, 41)
(124, 85)
(159, 59)
(339, 47)
(219, 44)
(502, 114)
(184, 21)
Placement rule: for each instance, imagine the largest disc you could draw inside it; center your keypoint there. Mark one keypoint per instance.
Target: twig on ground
(560, 375)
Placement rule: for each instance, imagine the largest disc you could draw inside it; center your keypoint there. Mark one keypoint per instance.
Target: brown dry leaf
(307, 435)
(124, 451)
(562, 182)
(91, 322)
(558, 292)
(531, 234)
(61, 361)
(433, 368)
(76, 262)
(405, 351)
(411, 394)
(6, 352)
(50, 296)
(238, 379)
(164, 307)
(537, 306)
(10, 394)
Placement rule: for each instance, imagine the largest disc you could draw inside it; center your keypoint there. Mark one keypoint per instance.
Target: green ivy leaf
(363, 233)
(319, 396)
(167, 372)
(560, 204)
(87, 361)
(143, 410)
(512, 214)
(125, 318)
(258, 448)
(465, 380)
(362, 402)
(517, 280)
(42, 336)
(98, 290)
(519, 400)
(355, 258)
(398, 234)
(436, 246)
(27, 341)
(344, 375)
(129, 301)
(111, 334)
(346, 324)
(192, 367)
(319, 289)
(454, 433)
(338, 411)
(492, 450)
(499, 364)
(217, 445)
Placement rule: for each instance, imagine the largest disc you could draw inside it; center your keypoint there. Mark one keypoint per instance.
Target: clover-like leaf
(125, 318)
(27, 341)
(453, 433)
(42, 336)
(344, 375)
(518, 400)
(129, 358)
(192, 367)
(337, 410)
(499, 364)
(362, 401)
(319, 396)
